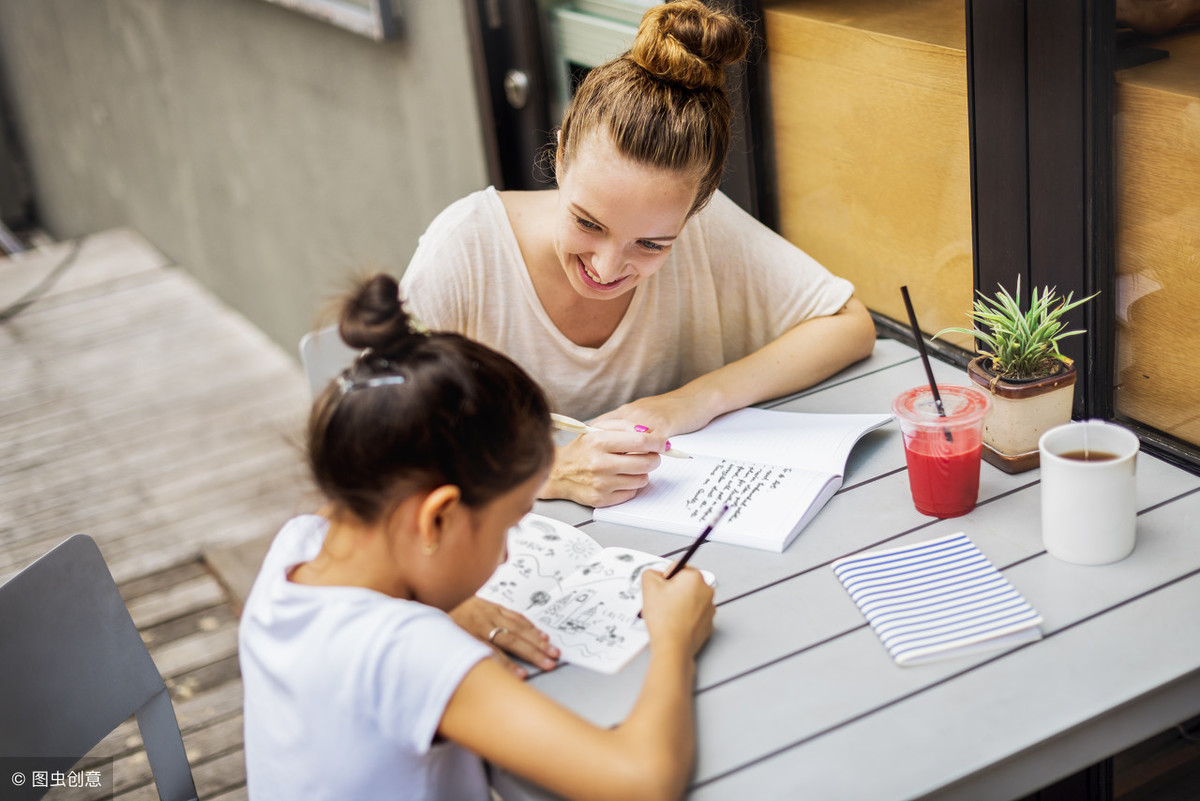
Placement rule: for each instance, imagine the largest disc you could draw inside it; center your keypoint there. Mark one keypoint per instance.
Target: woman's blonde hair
(663, 104)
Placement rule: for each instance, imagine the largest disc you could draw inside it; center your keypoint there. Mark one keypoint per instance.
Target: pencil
(561, 421)
(683, 560)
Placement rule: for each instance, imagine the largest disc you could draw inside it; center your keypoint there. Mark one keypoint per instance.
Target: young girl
(358, 684)
(635, 290)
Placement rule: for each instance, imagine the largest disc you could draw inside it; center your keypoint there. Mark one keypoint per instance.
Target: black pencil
(695, 545)
(683, 560)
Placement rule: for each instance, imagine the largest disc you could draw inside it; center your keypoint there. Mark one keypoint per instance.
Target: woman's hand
(604, 468)
(679, 611)
(671, 413)
(516, 634)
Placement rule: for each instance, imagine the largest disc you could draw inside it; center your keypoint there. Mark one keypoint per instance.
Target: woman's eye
(655, 246)
(586, 225)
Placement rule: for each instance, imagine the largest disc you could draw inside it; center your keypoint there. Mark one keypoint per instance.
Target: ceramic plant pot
(1021, 412)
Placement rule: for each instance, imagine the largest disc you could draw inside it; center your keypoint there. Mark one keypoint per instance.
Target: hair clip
(346, 385)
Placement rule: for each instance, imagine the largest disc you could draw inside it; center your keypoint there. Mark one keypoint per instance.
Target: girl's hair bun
(373, 317)
(688, 43)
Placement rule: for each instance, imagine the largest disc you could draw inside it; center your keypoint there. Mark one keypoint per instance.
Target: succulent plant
(1022, 344)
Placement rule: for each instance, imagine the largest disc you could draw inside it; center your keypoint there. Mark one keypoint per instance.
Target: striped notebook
(937, 599)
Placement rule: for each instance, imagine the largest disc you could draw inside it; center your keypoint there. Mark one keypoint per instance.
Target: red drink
(944, 484)
(942, 451)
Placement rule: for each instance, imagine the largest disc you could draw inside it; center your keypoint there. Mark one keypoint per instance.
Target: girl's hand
(518, 636)
(679, 611)
(604, 468)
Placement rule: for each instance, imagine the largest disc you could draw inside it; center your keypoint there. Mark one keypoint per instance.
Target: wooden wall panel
(1158, 240)
(869, 100)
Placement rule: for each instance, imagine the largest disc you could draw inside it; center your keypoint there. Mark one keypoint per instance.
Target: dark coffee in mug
(1088, 456)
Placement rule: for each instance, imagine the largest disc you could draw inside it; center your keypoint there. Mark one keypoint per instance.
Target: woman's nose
(607, 264)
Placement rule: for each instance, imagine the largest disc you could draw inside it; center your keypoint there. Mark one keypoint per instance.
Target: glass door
(1157, 212)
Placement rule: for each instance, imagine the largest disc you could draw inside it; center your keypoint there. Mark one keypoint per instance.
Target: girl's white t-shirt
(345, 688)
(729, 287)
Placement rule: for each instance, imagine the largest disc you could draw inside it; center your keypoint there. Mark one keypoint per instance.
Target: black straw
(916, 329)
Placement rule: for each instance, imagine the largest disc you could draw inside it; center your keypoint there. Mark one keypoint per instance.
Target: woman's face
(617, 220)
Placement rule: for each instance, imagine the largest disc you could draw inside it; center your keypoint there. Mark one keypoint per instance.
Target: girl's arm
(805, 355)
(649, 755)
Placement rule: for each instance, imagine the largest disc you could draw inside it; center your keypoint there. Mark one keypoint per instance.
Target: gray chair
(73, 667)
(324, 356)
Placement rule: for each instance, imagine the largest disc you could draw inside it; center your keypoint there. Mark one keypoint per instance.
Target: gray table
(796, 697)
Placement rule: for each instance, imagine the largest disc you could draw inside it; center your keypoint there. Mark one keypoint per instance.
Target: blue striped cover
(937, 599)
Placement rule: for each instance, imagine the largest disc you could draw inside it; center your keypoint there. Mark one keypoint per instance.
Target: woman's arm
(649, 755)
(604, 469)
(805, 355)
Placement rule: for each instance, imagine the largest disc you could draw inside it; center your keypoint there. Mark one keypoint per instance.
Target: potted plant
(1032, 384)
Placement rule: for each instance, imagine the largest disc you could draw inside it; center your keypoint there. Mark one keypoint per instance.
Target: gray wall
(270, 154)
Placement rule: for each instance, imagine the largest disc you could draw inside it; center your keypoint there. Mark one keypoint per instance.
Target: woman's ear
(434, 516)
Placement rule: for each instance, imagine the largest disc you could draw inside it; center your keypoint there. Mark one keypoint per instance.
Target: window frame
(1041, 84)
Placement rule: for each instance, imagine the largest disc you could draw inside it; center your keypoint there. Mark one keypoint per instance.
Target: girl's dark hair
(418, 410)
(664, 103)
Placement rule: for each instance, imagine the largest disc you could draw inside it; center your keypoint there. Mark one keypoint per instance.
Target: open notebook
(774, 469)
(586, 598)
(937, 599)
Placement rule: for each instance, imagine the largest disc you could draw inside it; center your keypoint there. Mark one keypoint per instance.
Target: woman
(635, 292)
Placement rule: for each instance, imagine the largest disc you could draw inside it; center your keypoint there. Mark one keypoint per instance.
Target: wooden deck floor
(138, 409)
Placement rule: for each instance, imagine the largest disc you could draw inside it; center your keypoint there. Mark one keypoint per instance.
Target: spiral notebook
(937, 599)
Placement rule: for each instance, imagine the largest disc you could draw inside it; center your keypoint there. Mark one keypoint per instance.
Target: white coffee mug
(1089, 491)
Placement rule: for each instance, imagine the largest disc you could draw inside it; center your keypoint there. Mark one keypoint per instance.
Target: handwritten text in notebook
(775, 469)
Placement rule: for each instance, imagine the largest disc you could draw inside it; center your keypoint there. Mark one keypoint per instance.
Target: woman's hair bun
(373, 316)
(688, 43)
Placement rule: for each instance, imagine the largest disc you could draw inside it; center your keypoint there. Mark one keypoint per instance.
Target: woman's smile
(594, 281)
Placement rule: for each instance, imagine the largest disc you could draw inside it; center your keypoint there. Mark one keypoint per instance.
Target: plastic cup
(942, 452)
(1089, 492)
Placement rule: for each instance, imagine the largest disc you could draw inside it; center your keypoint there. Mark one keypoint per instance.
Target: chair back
(324, 356)
(73, 667)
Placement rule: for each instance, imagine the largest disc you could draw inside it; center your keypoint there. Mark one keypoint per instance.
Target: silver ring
(494, 633)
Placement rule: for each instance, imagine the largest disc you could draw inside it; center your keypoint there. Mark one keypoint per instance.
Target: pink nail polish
(641, 429)
(668, 446)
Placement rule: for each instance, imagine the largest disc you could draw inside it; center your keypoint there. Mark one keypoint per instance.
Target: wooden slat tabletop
(796, 697)
(137, 408)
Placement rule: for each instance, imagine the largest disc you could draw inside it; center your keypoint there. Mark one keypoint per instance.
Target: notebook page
(541, 553)
(584, 597)
(594, 621)
(820, 442)
(766, 502)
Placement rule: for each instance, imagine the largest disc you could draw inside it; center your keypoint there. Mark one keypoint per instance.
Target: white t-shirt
(345, 688)
(729, 286)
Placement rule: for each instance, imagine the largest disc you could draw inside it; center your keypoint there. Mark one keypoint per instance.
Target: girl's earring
(430, 548)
